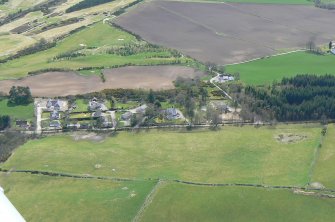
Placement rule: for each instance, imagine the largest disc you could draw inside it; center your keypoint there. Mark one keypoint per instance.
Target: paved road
(224, 92)
(39, 111)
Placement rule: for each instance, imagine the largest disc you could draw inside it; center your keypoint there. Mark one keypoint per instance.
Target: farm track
(148, 200)
(315, 158)
(160, 181)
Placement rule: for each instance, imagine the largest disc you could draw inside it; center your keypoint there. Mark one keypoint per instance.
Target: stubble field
(229, 32)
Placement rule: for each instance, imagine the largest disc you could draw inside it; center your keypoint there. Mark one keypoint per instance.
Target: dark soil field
(53, 84)
(229, 32)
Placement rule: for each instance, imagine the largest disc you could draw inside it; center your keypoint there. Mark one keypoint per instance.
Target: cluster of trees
(325, 5)
(3, 2)
(4, 122)
(86, 4)
(8, 142)
(69, 54)
(304, 97)
(313, 48)
(132, 49)
(20, 96)
(123, 9)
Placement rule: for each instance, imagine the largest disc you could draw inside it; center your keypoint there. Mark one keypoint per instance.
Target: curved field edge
(267, 70)
(94, 40)
(231, 155)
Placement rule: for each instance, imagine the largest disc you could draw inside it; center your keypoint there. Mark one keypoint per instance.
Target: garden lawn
(265, 71)
(82, 105)
(231, 155)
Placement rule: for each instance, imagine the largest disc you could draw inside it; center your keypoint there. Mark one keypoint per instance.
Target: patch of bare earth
(229, 32)
(54, 84)
(290, 138)
(88, 136)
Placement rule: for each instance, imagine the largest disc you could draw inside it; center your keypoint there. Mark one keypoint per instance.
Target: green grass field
(42, 198)
(265, 71)
(231, 155)
(227, 156)
(325, 165)
(96, 39)
(17, 112)
(177, 202)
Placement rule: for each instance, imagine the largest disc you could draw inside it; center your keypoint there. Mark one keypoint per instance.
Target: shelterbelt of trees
(304, 97)
(86, 4)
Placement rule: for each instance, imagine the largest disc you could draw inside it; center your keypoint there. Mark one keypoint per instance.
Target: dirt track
(228, 33)
(53, 84)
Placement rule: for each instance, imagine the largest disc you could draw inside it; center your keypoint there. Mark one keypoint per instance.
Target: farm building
(97, 114)
(332, 47)
(172, 113)
(140, 109)
(126, 115)
(55, 124)
(22, 123)
(53, 104)
(73, 126)
(54, 115)
(95, 105)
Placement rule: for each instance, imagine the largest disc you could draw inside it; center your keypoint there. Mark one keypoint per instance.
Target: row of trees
(43, 7)
(86, 4)
(313, 48)
(123, 9)
(325, 5)
(41, 45)
(132, 49)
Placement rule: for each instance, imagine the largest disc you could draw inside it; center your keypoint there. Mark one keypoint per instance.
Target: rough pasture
(176, 202)
(70, 83)
(260, 30)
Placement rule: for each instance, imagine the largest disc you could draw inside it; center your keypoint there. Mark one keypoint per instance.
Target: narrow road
(38, 120)
(224, 92)
(112, 115)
